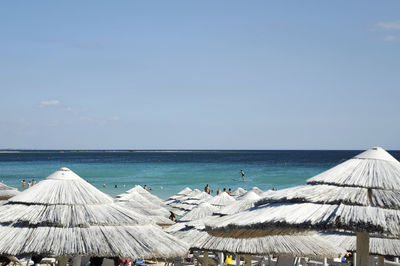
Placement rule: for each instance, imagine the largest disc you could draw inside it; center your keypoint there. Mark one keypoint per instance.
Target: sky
(199, 74)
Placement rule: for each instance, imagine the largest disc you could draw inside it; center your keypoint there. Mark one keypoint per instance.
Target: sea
(168, 172)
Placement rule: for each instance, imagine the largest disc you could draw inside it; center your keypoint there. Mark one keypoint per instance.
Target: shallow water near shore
(167, 172)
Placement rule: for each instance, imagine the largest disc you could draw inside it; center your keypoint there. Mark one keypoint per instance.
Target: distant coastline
(160, 150)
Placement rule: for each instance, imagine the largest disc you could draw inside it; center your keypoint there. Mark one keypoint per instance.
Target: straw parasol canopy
(377, 245)
(279, 245)
(178, 195)
(139, 189)
(223, 199)
(256, 190)
(202, 210)
(312, 245)
(238, 192)
(360, 195)
(64, 215)
(7, 192)
(142, 205)
(243, 202)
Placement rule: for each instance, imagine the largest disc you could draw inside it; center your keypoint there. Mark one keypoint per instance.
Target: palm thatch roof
(279, 245)
(7, 192)
(256, 190)
(178, 195)
(64, 215)
(152, 198)
(359, 195)
(312, 245)
(377, 245)
(238, 192)
(223, 199)
(243, 202)
(184, 191)
(202, 210)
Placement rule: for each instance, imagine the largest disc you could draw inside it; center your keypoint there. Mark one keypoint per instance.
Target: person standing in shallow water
(23, 183)
(207, 189)
(242, 173)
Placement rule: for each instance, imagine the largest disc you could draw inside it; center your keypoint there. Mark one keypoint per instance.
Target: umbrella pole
(237, 257)
(205, 258)
(77, 261)
(247, 260)
(221, 258)
(381, 261)
(62, 261)
(362, 246)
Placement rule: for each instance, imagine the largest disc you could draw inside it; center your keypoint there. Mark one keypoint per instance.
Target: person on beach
(218, 191)
(207, 189)
(33, 182)
(242, 173)
(229, 191)
(23, 183)
(145, 187)
(172, 217)
(29, 184)
(224, 190)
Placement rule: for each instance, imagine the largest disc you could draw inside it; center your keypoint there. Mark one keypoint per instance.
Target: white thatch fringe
(256, 190)
(223, 199)
(202, 210)
(377, 245)
(104, 241)
(265, 220)
(152, 198)
(374, 168)
(243, 202)
(7, 192)
(289, 245)
(359, 195)
(64, 215)
(238, 192)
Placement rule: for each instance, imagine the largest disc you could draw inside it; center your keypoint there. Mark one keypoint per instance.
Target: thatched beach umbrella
(64, 215)
(256, 190)
(223, 199)
(202, 210)
(238, 192)
(178, 195)
(306, 245)
(377, 245)
(151, 197)
(242, 203)
(7, 192)
(135, 201)
(360, 195)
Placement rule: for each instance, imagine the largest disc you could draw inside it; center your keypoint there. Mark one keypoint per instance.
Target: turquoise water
(169, 172)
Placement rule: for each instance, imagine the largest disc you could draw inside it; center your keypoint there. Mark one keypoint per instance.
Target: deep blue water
(170, 171)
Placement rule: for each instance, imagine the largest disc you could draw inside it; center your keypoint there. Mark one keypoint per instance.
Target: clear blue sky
(200, 74)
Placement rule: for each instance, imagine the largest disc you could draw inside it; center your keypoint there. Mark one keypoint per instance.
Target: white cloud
(50, 103)
(389, 25)
(390, 38)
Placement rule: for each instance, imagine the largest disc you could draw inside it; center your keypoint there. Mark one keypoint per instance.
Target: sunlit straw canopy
(64, 215)
(243, 202)
(377, 245)
(223, 199)
(7, 192)
(238, 192)
(310, 244)
(359, 195)
(202, 210)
